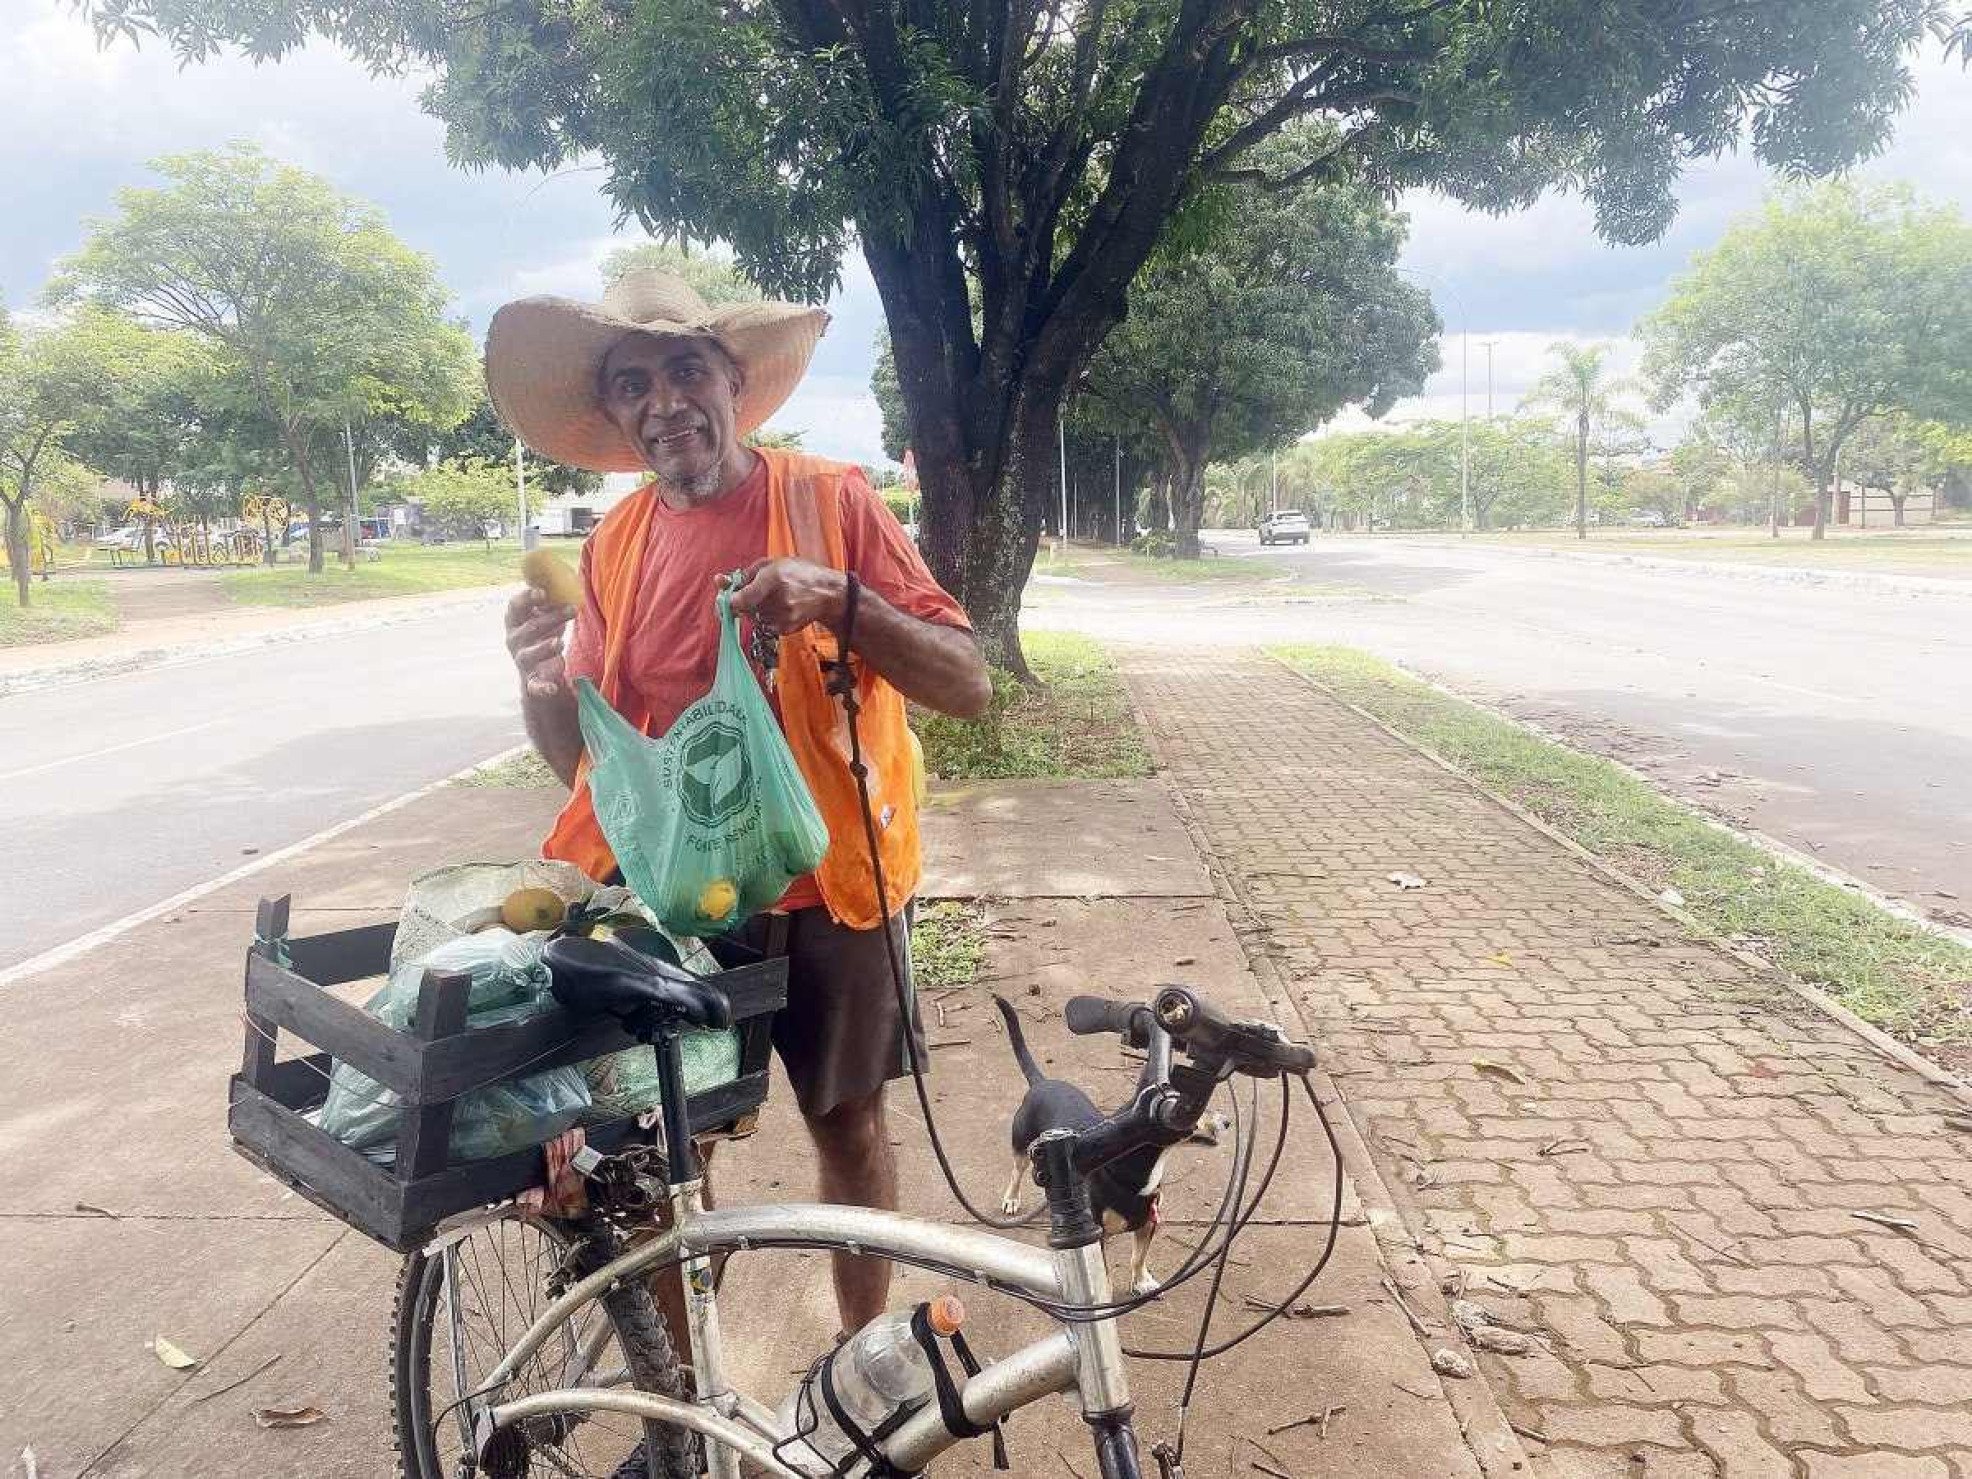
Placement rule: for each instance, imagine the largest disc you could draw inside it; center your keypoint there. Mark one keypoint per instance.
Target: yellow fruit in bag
(716, 899)
(552, 576)
(528, 909)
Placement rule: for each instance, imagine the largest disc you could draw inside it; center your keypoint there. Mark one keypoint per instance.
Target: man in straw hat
(653, 380)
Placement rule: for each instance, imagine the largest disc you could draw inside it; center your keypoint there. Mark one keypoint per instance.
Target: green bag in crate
(711, 822)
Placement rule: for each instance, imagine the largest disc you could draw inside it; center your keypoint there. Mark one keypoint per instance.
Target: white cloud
(836, 416)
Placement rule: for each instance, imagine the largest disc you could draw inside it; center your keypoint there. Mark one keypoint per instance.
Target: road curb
(1490, 1436)
(1903, 1055)
(303, 628)
(82, 944)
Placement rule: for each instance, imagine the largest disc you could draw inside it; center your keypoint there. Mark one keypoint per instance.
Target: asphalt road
(121, 791)
(1835, 716)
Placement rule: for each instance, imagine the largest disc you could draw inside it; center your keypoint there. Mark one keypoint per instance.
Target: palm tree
(1578, 389)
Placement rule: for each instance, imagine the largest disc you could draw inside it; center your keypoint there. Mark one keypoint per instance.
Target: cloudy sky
(83, 122)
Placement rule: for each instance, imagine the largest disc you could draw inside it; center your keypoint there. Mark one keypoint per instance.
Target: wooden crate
(430, 1065)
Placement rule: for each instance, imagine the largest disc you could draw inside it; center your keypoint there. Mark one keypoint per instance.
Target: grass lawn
(401, 570)
(1907, 552)
(1076, 725)
(948, 945)
(517, 772)
(1890, 972)
(61, 609)
(1120, 567)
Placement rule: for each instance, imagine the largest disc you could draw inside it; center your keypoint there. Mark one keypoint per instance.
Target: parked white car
(1289, 526)
(130, 539)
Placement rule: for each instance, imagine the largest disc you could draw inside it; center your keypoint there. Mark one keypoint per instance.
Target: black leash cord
(842, 683)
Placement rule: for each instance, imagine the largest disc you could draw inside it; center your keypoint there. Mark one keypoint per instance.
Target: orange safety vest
(803, 521)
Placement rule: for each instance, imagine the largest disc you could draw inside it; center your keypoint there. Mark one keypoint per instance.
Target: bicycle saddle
(609, 978)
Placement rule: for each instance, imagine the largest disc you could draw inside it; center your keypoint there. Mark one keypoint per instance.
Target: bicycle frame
(1084, 1358)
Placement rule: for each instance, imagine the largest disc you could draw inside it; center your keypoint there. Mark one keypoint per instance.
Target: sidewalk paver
(1609, 1134)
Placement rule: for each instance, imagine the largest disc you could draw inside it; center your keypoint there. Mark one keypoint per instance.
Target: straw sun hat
(543, 355)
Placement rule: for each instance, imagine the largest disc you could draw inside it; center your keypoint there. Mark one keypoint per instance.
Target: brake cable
(841, 681)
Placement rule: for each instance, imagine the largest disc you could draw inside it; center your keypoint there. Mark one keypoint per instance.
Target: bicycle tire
(649, 1356)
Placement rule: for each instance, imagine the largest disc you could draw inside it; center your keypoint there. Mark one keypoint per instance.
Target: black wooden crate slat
(394, 1204)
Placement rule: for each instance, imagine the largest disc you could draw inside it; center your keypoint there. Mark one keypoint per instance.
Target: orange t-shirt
(673, 651)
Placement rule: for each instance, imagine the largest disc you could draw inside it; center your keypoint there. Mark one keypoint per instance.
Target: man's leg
(857, 1168)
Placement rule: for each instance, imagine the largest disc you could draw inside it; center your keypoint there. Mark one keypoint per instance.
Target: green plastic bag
(713, 821)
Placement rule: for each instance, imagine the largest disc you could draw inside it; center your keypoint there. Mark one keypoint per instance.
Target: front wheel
(459, 1311)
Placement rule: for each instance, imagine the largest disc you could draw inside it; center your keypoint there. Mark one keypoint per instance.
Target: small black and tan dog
(1123, 1194)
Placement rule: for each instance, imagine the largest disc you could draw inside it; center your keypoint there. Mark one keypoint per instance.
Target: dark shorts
(840, 1035)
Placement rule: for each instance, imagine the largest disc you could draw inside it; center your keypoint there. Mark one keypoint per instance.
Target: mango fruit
(527, 909)
(716, 900)
(552, 576)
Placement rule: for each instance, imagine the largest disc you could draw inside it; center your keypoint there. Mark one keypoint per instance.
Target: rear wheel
(460, 1310)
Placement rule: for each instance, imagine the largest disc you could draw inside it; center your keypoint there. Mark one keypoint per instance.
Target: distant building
(573, 515)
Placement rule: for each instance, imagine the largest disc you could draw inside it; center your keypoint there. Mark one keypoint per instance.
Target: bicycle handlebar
(1195, 1026)
(1169, 1101)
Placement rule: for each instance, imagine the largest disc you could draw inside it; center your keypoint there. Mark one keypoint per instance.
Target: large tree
(145, 417)
(1007, 166)
(1264, 328)
(1591, 403)
(317, 314)
(1843, 303)
(50, 374)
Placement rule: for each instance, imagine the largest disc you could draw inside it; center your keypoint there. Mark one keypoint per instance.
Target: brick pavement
(1656, 1167)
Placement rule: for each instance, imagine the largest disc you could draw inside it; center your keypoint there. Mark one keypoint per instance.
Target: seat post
(680, 1154)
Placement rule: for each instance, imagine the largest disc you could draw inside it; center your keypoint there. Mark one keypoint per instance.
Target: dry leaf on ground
(168, 1353)
(288, 1417)
(1498, 1070)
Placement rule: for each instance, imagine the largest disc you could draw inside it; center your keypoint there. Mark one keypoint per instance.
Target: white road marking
(46, 765)
(83, 944)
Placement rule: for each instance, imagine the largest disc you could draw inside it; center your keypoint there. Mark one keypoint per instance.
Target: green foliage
(1827, 307)
(948, 945)
(462, 498)
(711, 275)
(64, 609)
(1408, 477)
(1593, 411)
(483, 436)
(1292, 310)
(1155, 544)
(1893, 973)
(890, 401)
(314, 314)
(50, 375)
(1075, 723)
(522, 771)
(901, 502)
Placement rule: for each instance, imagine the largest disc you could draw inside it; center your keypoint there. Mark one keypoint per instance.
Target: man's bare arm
(937, 666)
(547, 703)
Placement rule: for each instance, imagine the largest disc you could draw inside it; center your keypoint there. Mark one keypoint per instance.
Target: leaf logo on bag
(712, 816)
(716, 779)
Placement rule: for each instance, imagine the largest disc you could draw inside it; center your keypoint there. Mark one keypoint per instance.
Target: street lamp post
(1464, 433)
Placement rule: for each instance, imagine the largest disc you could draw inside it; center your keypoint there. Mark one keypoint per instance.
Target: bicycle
(697, 1424)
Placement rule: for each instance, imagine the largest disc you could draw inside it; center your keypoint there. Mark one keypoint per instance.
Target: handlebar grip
(1253, 1047)
(1088, 1015)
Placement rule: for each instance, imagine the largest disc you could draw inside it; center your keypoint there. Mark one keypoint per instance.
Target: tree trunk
(1157, 514)
(1187, 501)
(1896, 506)
(1582, 476)
(314, 505)
(18, 557)
(1817, 474)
